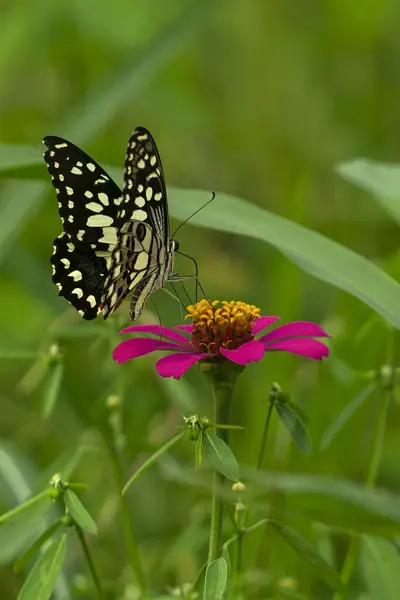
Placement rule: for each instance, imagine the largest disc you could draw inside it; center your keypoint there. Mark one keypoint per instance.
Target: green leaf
(380, 562)
(35, 547)
(337, 424)
(314, 253)
(216, 579)
(6, 354)
(42, 579)
(78, 512)
(376, 502)
(226, 556)
(18, 160)
(152, 459)
(52, 387)
(380, 179)
(221, 456)
(310, 555)
(295, 426)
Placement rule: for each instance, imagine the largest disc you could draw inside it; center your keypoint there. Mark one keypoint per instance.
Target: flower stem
(89, 561)
(265, 432)
(222, 392)
(127, 529)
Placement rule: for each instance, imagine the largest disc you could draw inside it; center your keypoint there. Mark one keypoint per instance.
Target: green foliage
(216, 579)
(78, 512)
(239, 99)
(295, 425)
(221, 456)
(42, 578)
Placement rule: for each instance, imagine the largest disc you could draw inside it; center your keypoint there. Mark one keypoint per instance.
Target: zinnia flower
(220, 331)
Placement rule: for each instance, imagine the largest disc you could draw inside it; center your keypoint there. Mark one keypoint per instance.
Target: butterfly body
(114, 241)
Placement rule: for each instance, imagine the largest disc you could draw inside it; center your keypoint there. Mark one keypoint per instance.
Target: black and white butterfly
(113, 242)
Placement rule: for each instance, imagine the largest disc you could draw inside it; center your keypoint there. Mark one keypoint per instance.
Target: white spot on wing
(91, 167)
(140, 202)
(69, 190)
(78, 292)
(149, 193)
(76, 171)
(103, 198)
(76, 276)
(92, 301)
(61, 146)
(65, 262)
(141, 164)
(88, 194)
(139, 215)
(94, 206)
(99, 221)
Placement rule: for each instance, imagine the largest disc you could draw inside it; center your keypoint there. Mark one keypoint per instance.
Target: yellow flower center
(216, 324)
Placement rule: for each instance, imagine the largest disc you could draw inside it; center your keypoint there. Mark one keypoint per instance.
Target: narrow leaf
(216, 579)
(78, 512)
(152, 459)
(310, 555)
(314, 253)
(35, 547)
(6, 354)
(380, 179)
(42, 579)
(295, 426)
(52, 386)
(381, 568)
(226, 556)
(221, 456)
(337, 424)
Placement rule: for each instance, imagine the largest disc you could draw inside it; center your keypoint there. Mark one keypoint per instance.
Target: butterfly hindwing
(79, 276)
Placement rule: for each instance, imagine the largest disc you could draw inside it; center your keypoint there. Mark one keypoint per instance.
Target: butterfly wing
(79, 276)
(140, 268)
(89, 203)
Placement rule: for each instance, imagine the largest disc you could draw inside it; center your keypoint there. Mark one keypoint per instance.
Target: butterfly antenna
(192, 215)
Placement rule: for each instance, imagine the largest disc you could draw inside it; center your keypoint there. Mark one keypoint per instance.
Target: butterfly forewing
(144, 204)
(89, 201)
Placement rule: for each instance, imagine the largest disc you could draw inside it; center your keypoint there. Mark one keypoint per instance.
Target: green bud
(67, 521)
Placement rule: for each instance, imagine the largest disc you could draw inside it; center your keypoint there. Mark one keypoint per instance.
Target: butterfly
(113, 241)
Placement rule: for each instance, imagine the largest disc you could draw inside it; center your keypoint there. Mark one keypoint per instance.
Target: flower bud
(238, 487)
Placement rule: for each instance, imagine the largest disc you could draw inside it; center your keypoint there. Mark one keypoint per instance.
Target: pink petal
(302, 346)
(262, 322)
(249, 352)
(295, 329)
(139, 347)
(165, 332)
(187, 328)
(175, 365)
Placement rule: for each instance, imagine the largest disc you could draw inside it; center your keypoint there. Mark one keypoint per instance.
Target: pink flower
(221, 333)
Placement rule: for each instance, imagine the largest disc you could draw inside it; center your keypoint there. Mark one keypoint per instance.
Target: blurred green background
(254, 98)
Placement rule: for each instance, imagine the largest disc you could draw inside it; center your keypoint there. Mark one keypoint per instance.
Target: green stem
(265, 433)
(89, 561)
(350, 561)
(127, 529)
(222, 392)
